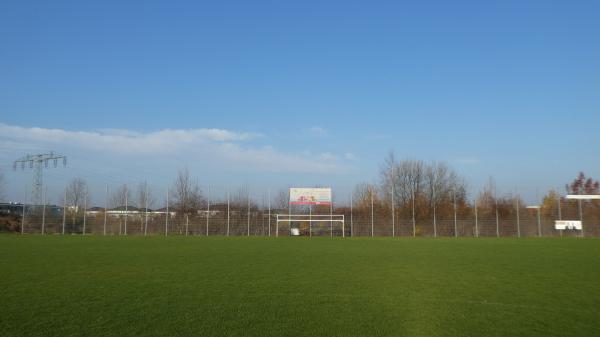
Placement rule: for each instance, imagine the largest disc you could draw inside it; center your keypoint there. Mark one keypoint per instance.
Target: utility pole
(38, 162)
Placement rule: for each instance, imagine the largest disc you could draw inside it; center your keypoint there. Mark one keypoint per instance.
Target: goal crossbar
(310, 218)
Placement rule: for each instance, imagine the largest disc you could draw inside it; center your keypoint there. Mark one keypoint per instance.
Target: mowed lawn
(217, 286)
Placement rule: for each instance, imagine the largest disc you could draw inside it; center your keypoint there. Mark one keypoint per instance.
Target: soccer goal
(313, 224)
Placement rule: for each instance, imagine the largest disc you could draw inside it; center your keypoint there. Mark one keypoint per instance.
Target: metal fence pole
(539, 222)
(187, 224)
(393, 213)
(559, 210)
(105, 209)
(248, 213)
(581, 216)
(351, 218)
(85, 209)
(207, 210)
(413, 213)
(476, 221)
(310, 220)
(64, 212)
(455, 221)
(44, 211)
(331, 217)
(518, 220)
(146, 210)
(227, 212)
(167, 215)
(126, 209)
(23, 215)
(372, 216)
(497, 220)
(269, 197)
(434, 210)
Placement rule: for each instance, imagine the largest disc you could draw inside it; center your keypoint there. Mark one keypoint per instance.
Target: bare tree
(281, 200)
(145, 198)
(187, 194)
(121, 197)
(76, 193)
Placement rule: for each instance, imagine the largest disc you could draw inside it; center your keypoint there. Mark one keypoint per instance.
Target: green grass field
(215, 286)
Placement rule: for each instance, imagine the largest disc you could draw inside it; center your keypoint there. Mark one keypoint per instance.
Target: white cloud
(224, 148)
(350, 156)
(318, 131)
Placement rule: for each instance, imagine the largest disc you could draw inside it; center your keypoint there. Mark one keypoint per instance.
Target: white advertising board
(310, 196)
(567, 224)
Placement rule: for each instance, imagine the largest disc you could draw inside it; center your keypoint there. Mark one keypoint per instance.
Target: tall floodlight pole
(207, 209)
(64, 212)
(44, 210)
(23, 215)
(38, 162)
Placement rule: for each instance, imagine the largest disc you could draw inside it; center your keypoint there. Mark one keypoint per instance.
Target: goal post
(314, 221)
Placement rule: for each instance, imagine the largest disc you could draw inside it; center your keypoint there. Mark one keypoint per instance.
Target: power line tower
(38, 162)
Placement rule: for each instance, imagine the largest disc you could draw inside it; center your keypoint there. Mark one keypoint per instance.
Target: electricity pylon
(38, 162)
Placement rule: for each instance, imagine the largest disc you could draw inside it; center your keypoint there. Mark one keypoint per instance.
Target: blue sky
(301, 93)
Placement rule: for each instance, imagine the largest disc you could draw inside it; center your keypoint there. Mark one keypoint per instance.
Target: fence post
(331, 217)
(248, 213)
(85, 208)
(351, 218)
(23, 216)
(64, 212)
(126, 213)
(187, 224)
(146, 210)
(167, 215)
(434, 209)
(581, 216)
(518, 220)
(207, 210)
(105, 209)
(413, 213)
(393, 212)
(476, 221)
(372, 215)
(455, 222)
(539, 222)
(228, 212)
(497, 219)
(269, 202)
(44, 211)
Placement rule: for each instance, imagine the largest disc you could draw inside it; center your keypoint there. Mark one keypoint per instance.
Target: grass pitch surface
(216, 286)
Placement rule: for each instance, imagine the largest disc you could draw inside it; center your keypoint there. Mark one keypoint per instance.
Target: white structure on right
(576, 225)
